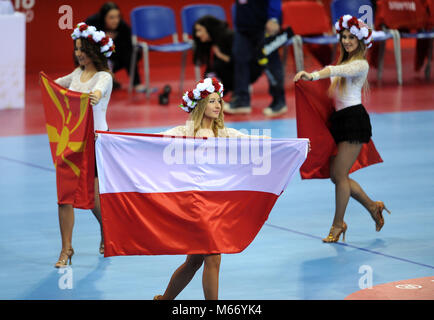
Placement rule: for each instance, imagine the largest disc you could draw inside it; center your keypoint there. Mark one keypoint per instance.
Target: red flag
(69, 122)
(313, 110)
(162, 195)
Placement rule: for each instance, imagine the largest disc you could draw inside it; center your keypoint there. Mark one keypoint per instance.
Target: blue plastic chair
(362, 9)
(155, 23)
(190, 14)
(355, 8)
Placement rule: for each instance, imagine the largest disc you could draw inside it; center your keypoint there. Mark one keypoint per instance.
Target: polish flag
(178, 195)
(313, 110)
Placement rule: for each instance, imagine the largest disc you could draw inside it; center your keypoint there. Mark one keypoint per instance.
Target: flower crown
(202, 90)
(89, 32)
(356, 27)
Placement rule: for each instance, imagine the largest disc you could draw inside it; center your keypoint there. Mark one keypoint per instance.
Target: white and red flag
(167, 195)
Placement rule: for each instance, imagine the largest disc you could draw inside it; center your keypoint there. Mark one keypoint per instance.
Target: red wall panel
(50, 48)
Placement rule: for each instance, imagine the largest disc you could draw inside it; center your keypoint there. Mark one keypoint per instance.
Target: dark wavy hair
(93, 51)
(215, 28)
(105, 8)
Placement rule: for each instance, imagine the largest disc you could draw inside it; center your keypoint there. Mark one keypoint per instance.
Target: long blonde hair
(198, 113)
(341, 82)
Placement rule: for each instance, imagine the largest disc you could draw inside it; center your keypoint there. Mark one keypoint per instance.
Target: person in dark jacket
(109, 20)
(254, 19)
(213, 41)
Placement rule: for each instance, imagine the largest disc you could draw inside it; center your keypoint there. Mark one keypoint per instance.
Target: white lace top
(355, 72)
(100, 81)
(186, 131)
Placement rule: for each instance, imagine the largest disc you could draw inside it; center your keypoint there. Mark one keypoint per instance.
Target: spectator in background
(109, 20)
(254, 19)
(213, 48)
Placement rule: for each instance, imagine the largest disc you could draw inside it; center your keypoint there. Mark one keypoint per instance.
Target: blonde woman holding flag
(350, 123)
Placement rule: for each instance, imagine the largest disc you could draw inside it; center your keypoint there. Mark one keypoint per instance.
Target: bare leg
(374, 208)
(97, 213)
(358, 194)
(182, 276)
(210, 278)
(340, 167)
(66, 223)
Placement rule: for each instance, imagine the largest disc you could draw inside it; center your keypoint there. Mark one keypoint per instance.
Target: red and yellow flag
(313, 110)
(69, 122)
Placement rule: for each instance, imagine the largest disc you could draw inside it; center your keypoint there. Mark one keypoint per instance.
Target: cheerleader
(350, 123)
(92, 76)
(204, 104)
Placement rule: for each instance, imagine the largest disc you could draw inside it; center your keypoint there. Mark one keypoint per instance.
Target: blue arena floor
(287, 260)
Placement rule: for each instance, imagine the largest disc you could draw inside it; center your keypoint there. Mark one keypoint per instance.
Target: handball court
(287, 259)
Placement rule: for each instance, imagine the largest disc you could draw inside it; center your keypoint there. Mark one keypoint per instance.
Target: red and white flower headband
(89, 32)
(356, 27)
(202, 90)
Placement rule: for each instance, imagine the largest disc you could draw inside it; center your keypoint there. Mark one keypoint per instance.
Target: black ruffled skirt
(351, 124)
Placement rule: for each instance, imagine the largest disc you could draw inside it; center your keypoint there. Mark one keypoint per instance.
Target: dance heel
(158, 297)
(379, 220)
(335, 238)
(64, 262)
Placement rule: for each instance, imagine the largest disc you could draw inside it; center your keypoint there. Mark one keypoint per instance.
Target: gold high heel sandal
(63, 262)
(379, 219)
(332, 238)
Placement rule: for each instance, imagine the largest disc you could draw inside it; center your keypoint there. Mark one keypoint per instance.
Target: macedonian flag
(69, 121)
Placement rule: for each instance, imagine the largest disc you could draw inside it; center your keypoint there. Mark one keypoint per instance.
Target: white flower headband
(356, 27)
(202, 90)
(89, 32)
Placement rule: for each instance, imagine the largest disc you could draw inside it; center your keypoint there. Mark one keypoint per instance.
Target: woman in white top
(92, 76)
(204, 104)
(350, 123)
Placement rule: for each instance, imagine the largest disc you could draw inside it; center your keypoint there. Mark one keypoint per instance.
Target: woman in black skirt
(350, 123)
